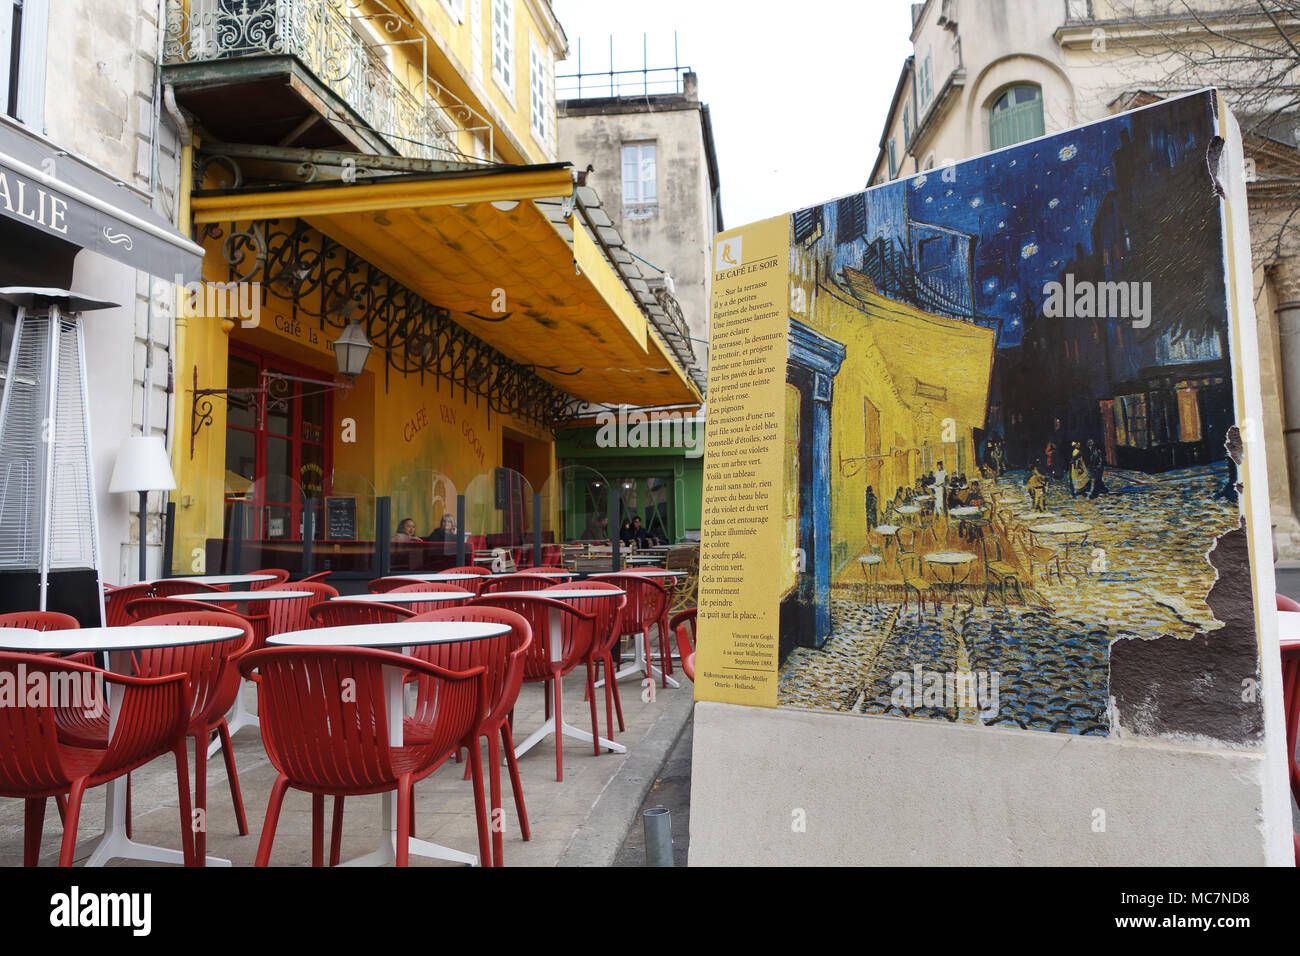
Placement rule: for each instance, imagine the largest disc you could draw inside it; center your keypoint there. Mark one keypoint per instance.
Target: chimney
(691, 86)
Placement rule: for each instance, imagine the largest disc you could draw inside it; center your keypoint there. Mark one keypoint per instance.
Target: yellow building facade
(445, 232)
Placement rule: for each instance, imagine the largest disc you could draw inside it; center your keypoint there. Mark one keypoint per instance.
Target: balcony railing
(326, 36)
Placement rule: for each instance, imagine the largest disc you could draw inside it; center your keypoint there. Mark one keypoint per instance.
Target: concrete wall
(785, 787)
(679, 237)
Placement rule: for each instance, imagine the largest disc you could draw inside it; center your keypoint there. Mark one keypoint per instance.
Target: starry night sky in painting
(1028, 205)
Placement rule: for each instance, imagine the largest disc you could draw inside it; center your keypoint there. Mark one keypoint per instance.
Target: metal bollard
(657, 823)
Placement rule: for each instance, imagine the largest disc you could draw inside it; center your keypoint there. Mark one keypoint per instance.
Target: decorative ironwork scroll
(325, 281)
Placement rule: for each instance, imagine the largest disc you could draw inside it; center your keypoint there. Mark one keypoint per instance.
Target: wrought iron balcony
(329, 38)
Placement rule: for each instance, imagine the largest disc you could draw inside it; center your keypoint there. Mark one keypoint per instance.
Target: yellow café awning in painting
(914, 344)
(461, 240)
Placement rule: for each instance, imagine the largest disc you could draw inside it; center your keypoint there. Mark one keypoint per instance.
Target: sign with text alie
(975, 443)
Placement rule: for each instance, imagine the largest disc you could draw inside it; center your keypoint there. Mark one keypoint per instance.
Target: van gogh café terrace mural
(1029, 356)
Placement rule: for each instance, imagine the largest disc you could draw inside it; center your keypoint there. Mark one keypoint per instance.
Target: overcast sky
(797, 102)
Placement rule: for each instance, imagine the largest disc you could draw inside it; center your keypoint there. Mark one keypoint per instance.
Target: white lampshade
(142, 465)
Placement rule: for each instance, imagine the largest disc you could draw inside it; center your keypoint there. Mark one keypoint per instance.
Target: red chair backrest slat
(502, 657)
(348, 613)
(320, 737)
(40, 620)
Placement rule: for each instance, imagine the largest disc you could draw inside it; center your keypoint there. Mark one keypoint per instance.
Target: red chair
(291, 615)
(577, 631)
(318, 576)
(609, 631)
(279, 576)
(40, 620)
(1291, 706)
(683, 625)
(647, 605)
(349, 613)
(321, 747)
(35, 765)
(516, 582)
(115, 603)
(171, 587)
(212, 682)
(469, 569)
(502, 658)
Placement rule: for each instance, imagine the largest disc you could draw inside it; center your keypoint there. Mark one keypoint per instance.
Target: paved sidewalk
(581, 821)
(672, 789)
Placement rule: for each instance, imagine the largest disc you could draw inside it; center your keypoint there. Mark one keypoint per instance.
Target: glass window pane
(313, 417)
(241, 410)
(241, 460)
(279, 408)
(279, 482)
(312, 470)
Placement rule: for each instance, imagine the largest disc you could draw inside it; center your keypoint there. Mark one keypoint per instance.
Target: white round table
(440, 576)
(395, 637)
(952, 560)
(640, 572)
(218, 579)
(407, 597)
(965, 511)
(118, 642)
(564, 594)
(241, 597)
(542, 572)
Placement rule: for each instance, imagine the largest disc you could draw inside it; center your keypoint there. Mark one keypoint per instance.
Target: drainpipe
(1288, 327)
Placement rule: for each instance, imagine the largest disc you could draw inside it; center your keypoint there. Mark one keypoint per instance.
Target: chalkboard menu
(341, 518)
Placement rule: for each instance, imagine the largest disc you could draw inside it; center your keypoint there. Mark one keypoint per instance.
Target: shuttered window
(1016, 115)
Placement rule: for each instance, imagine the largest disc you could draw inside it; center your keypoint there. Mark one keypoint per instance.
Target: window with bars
(503, 45)
(925, 82)
(640, 181)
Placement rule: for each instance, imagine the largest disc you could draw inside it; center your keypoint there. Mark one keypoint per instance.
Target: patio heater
(49, 535)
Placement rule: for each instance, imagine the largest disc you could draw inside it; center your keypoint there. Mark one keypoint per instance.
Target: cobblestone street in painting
(1050, 653)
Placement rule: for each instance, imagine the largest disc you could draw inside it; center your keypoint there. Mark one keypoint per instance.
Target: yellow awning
(915, 343)
(462, 241)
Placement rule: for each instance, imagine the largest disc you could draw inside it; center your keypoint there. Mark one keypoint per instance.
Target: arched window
(1016, 115)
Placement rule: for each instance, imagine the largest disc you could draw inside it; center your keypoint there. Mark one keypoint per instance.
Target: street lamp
(142, 467)
(351, 349)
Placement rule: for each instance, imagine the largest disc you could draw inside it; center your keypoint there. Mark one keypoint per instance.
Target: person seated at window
(446, 530)
(406, 530)
(598, 528)
(635, 534)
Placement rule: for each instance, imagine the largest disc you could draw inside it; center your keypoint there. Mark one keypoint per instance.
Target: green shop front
(660, 481)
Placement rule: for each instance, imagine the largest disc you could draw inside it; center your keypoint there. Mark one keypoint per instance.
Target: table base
(240, 717)
(113, 843)
(386, 852)
(638, 667)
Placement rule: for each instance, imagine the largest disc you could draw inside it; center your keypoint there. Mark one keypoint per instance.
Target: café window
(278, 460)
(23, 27)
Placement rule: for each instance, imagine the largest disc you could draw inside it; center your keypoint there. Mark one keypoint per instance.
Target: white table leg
(240, 716)
(386, 852)
(638, 667)
(113, 843)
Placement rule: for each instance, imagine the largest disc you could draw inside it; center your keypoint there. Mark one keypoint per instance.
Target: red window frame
(268, 361)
